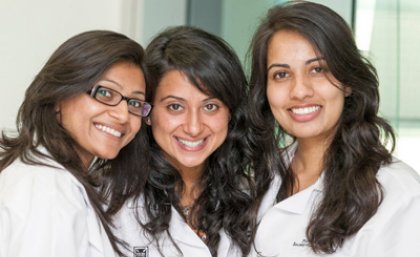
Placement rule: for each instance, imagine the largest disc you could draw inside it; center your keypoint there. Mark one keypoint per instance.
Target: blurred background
(387, 31)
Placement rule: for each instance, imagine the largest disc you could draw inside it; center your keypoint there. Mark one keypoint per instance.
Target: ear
(347, 91)
(58, 113)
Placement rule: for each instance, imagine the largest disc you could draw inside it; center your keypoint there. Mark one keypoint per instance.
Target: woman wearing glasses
(83, 108)
(195, 201)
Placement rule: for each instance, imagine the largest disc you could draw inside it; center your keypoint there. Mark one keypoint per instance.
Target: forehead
(179, 79)
(290, 45)
(177, 83)
(124, 76)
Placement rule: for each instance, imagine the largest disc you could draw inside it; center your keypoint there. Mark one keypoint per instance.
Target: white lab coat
(394, 231)
(128, 229)
(45, 212)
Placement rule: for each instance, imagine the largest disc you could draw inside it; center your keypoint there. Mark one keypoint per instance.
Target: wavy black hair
(213, 67)
(72, 70)
(352, 193)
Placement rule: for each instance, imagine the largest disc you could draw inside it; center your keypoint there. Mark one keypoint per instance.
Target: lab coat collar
(302, 200)
(181, 232)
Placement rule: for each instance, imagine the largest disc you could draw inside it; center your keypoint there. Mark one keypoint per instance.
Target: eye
(104, 92)
(135, 103)
(318, 69)
(211, 107)
(174, 107)
(280, 75)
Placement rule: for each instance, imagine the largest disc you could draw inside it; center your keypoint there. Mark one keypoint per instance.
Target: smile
(109, 130)
(190, 144)
(305, 110)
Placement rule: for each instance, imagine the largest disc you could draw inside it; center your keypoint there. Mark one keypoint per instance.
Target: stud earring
(147, 121)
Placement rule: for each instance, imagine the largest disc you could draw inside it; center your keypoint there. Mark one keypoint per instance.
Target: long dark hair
(352, 193)
(213, 67)
(72, 70)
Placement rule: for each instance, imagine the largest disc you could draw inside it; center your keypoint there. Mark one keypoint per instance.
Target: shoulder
(23, 186)
(394, 229)
(400, 185)
(398, 178)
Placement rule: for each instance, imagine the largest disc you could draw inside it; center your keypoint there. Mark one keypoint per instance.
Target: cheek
(73, 121)
(275, 96)
(220, 124)
(162, 125)
(219, 129)
(224, 134)
(336, 96)
(135, 125)
(340, 106)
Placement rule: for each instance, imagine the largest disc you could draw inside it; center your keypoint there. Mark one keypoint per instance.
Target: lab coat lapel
(302, 200)
(180, 231)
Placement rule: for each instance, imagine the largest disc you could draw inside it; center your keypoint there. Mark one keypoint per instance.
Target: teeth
(190, 143)
(305, 110)
(108, 130)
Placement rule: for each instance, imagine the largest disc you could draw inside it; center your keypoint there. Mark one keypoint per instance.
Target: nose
(301, 87)
(120, 111)
(193, 124)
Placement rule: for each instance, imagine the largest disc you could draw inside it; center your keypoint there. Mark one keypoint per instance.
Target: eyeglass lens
(112, 98)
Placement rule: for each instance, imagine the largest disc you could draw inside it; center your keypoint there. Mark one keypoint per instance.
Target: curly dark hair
(213, 67)
(72, 70)
(358, 149)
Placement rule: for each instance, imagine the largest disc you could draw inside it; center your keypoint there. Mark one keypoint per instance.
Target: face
(305, 98)
(98, 129)
(187, 124)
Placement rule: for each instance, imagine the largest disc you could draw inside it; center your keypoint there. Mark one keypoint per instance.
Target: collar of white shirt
(299, 202)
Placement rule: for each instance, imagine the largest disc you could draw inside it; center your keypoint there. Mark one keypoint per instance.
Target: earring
(147, 121)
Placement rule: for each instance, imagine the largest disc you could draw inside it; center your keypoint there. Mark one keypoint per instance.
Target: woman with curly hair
(328, 186)
(196, 200)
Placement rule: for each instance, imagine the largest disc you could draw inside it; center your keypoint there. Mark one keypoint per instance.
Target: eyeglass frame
(94, 90)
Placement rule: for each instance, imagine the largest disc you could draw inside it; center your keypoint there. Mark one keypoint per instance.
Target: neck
(307, 164)
(191, 191)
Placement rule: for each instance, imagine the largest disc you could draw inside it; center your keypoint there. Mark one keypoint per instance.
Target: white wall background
(31, 30)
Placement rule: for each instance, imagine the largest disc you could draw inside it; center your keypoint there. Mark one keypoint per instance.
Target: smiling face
(305, 98)
(187, 124)
(98, 129)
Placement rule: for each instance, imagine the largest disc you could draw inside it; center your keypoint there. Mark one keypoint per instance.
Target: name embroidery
(303, 243)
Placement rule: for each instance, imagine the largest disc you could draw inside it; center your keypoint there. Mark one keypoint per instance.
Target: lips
(109, 130)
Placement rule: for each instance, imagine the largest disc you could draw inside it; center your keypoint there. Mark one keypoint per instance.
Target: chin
(108, 156)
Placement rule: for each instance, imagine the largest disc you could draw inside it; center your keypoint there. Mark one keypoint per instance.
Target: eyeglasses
(112, 97)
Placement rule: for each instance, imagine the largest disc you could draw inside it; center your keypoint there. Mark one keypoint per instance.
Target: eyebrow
(277, 65)
(169, 97)
(121, 87)
(283, 65)
(316, 59)
(182, 99)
